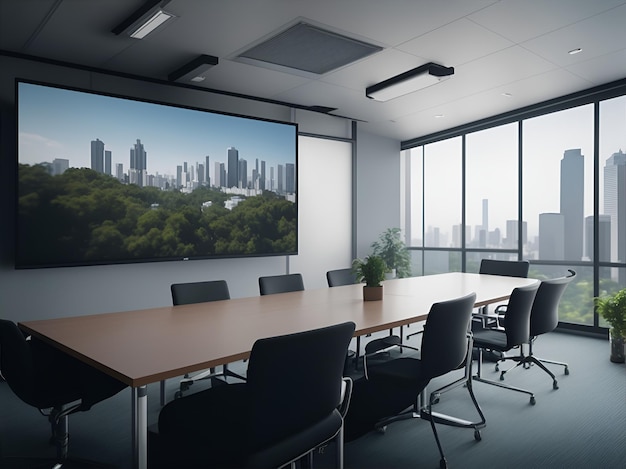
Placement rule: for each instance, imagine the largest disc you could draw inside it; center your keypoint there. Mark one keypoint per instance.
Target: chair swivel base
(533, 401)
(527, 361)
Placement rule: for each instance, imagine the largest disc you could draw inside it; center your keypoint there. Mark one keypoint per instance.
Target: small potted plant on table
(370, 270)
(613, 309)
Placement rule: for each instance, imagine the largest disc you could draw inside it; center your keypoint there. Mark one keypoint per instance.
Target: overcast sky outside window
(492, 168)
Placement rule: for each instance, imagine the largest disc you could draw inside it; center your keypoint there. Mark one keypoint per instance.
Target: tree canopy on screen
(83, 217)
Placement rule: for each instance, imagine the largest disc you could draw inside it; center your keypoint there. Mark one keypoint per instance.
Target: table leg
(140, 427)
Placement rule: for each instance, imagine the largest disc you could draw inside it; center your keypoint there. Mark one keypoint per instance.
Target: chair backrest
(295, 381)
(39, 374)
(199, 292)
(544, 316)
(505, 268)
(280, 284)
(339, 277)
(16, 361)
(444, 343)
(517, 320)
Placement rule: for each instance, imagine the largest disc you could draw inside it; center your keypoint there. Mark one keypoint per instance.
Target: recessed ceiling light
(439, 116)
(575, 51)
(507, 95)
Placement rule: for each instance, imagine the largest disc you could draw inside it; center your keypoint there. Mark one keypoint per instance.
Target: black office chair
(339, 277)
(273, 284)
(544, 317)
(53, 382)
(201, 292)
(506, 269)
(389, 388)
(516, 332)
(285, 410)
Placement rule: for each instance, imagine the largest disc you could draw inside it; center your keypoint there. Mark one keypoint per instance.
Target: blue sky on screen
(60, 123)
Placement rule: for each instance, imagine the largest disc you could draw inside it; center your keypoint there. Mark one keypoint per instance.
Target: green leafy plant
(613, 309)
(393, 251)
(370, 270)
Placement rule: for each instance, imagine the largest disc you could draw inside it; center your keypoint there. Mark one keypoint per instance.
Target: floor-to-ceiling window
(611, 248)
(549, 186)
(557, 201)
(491, 195)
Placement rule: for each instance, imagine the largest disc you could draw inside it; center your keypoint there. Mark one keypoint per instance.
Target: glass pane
(611, 280)
(442, 193)
(473, 259)
(416, 263)
(612, 229)
(415, 197)
(491, 181)
(576, 305)
(329, 248)
(557, 183)
(440, 262)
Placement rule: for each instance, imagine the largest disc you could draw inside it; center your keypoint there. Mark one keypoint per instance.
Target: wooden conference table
(146, 346)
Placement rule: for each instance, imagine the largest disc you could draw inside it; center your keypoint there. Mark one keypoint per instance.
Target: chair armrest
(500, 310)
(346, 395)
(485, 316)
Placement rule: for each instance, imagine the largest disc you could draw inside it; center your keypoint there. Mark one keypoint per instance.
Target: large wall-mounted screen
(106, 179)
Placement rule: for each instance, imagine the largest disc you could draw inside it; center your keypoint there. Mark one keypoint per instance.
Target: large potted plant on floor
(370, 270)
(613, 309)
(393, 251)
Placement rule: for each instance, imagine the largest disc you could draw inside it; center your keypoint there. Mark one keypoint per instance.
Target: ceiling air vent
(307, 48)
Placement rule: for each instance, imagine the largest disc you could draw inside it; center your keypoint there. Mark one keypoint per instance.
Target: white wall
(46, 293)
(377, 187)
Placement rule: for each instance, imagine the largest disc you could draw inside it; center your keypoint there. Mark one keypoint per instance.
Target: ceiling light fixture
(408, 82)
(575, 51)
(145, 20)
(194, 71)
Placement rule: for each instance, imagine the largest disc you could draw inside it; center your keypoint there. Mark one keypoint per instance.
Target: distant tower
(551, 234)
(60, 165)
(243, 173)
(280, 178)
(107, 162)
(138, 163)
(207, 179)
(262, 177)
(572, 203)
(119, 171)
(217, 175)
(486, 215)
(615, 203)
(97, 155)
(604, 238)
(233, 167)
(290, 178)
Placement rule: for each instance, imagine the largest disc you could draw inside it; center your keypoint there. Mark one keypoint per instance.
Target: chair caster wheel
(477, 435)
(178, 395)
(555, 385)
(497, 367)
(532, 400)
(435, 399)
(382, 430)
(502, 376)
(443, 464)
(566, 370)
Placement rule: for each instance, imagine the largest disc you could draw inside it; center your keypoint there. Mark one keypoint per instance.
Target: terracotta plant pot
(372, 293)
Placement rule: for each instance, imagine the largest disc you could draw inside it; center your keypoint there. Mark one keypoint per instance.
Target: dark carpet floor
(580, 425)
